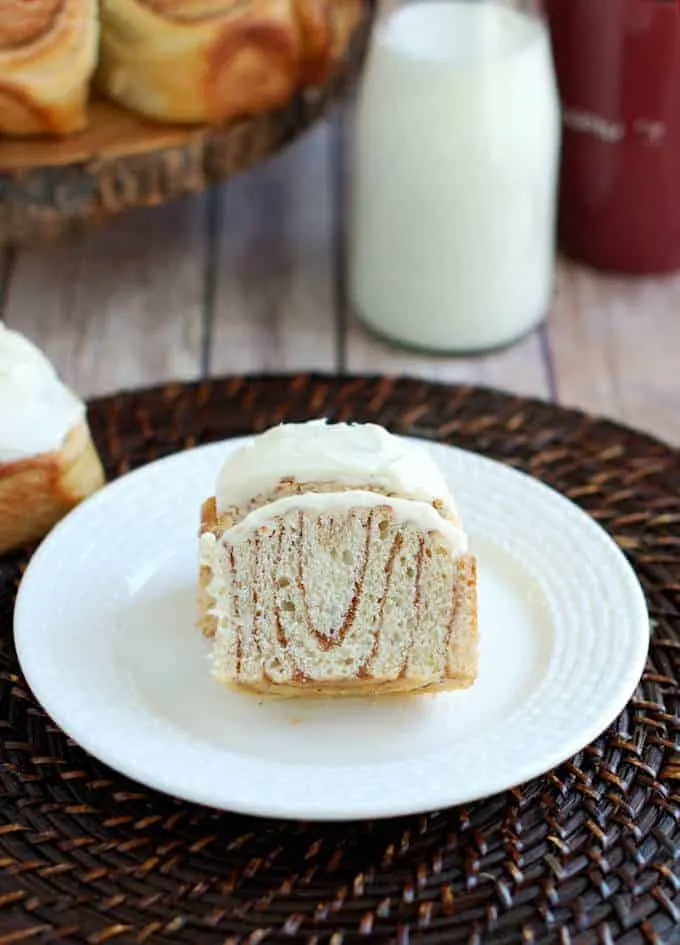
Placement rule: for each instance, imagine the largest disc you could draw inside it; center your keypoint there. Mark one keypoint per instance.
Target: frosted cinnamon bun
(48, 51)
(333, 562)
(200, 61)
(48, 462)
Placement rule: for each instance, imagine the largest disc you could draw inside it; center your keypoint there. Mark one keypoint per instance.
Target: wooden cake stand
(48, 186)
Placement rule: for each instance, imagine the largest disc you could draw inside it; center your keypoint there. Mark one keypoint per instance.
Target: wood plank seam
(338, 177)
(548, 361)
(7, 261)
(214, 210)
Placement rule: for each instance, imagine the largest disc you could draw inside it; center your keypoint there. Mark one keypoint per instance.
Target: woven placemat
(587, 854)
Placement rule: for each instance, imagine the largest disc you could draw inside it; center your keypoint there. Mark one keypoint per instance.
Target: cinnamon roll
(48, 462)
(333, 562)
(211, 60)
(326, 28)
(48, 51)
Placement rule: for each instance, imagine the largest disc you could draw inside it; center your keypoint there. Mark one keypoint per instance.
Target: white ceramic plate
(104, 628)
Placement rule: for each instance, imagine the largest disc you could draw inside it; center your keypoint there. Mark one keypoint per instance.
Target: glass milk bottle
(454, 180)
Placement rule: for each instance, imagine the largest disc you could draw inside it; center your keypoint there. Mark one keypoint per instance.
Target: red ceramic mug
(618, 68)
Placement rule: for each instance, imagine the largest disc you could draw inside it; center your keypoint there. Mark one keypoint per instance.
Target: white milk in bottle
(455, 176)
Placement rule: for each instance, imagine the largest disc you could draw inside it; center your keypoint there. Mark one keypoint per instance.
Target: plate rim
(526, 769)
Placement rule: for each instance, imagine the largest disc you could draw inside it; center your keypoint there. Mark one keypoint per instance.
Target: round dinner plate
(106, 637)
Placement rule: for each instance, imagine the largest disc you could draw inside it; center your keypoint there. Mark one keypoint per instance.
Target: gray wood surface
(250, 278)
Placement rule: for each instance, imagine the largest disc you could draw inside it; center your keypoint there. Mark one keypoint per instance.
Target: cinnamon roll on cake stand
(48, 53)
(122, 159)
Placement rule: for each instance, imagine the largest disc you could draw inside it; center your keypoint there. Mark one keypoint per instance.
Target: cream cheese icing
(422, 515)
(362, 454)
(37, 410)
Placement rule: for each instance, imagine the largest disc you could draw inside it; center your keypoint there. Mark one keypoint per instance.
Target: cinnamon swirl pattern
(194, 61)
(48, 52)
(329, 589)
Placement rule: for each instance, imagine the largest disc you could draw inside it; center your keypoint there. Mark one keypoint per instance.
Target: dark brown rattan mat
(587, 854)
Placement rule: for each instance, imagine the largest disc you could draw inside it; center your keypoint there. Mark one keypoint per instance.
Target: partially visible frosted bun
(48, 462)
(37, 411)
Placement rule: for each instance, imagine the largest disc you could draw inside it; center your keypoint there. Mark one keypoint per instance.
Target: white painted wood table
(249, 278)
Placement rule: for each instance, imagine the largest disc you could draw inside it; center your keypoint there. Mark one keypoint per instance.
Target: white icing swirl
(361, 454)
(37, 410)
(405, 512)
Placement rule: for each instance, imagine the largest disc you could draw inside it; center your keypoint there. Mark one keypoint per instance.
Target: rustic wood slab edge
(49, 187)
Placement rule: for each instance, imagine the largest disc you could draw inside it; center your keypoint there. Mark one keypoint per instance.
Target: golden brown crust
(22, 23)
(209, 523)
(48, 50)
(188, 11)
(20, 114)
(236, 58)
(316, 28)
(38, 491)
(214, 60)
(351, 687)
(464, 633)
(251, 66)
(326, 30)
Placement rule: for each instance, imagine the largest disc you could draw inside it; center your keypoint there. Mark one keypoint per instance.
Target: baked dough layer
(48, 52)
(195, 61)
(36, 492)
(345, 603)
